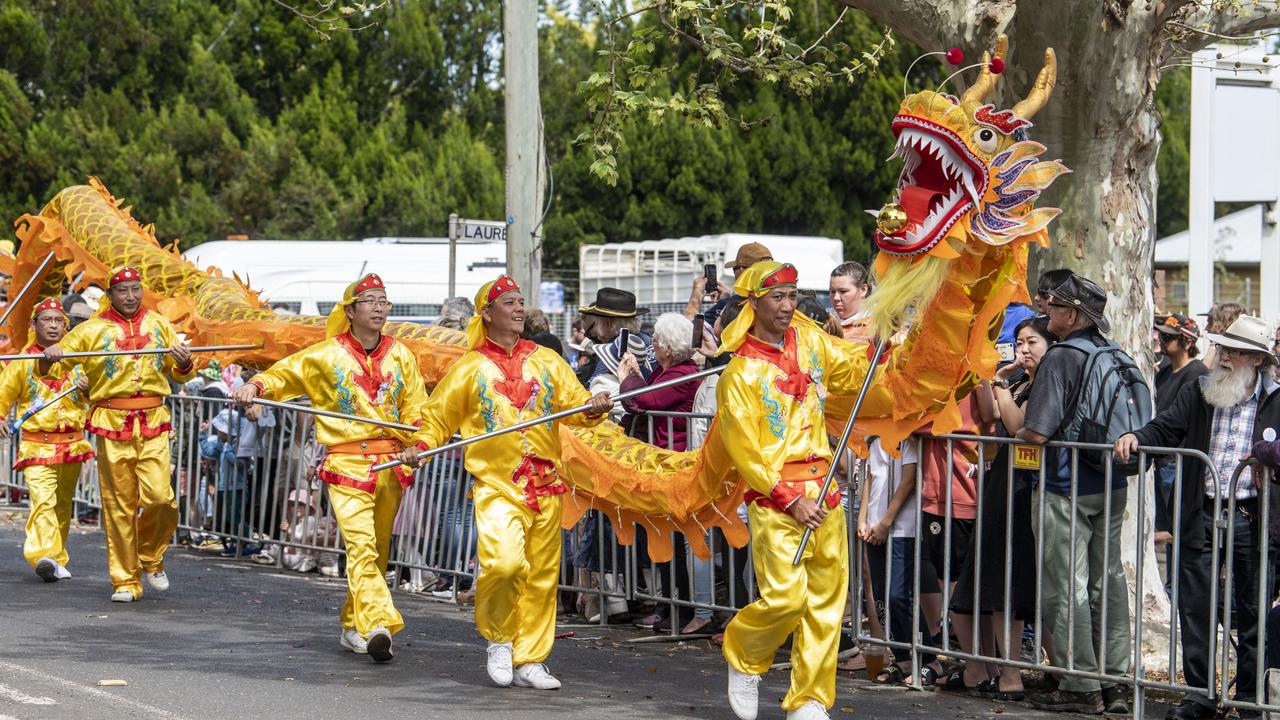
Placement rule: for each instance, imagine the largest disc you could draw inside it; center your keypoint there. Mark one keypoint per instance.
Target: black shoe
(1190, 710)
(1115, 698)
(1085, 703)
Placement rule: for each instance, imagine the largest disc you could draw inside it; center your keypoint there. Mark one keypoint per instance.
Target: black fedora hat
(612, 302)
(1084, 295)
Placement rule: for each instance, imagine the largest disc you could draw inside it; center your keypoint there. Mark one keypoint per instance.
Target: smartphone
(698, 322)
(624, 338)
(712, 276)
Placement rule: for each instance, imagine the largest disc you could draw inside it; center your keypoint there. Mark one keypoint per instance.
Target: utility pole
(524, 181)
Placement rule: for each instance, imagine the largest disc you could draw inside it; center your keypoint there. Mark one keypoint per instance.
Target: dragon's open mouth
(941, 181)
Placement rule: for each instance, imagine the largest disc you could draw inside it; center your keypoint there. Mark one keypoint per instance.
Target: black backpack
(1112, 398)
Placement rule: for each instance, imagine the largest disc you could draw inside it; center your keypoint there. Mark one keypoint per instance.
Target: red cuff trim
(784, 495)
(258, 384)
(833, 499)
(422, 446)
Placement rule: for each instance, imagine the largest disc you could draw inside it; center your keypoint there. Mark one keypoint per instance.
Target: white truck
(661, 272)
(308, 276)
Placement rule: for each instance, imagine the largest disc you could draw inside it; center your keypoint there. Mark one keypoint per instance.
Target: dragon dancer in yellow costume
(53, 444)
(502, 380)
(132, 424)
(771, 399)
(361, 372)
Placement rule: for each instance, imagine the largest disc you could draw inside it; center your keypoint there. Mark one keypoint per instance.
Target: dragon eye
(986, 140)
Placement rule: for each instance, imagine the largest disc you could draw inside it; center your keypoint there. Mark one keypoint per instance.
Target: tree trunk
(1102, 124)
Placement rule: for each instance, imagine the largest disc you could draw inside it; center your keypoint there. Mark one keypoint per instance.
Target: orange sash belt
(53, 438)
(799, 471)
(376, 446)
(145, 402)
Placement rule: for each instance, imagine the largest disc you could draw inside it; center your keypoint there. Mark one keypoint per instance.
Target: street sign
(481, 230)
(472, 231)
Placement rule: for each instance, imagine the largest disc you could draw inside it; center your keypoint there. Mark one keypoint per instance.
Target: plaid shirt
(1230, 439)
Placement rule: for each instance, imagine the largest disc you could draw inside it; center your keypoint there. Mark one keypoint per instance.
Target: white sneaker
(63, 573)
(122, 596)
(744, 694)
(499, 664)
(157, 580)
(379, 644)
(329, 570)
(47, 569)
(812, 710)
(354, 641)
(536, 676)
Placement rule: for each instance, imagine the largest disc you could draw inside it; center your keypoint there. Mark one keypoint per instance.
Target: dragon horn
(1043, 88)
(986, 81)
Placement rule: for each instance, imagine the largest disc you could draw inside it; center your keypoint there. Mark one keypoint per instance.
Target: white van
(661, 272)
(307, 277)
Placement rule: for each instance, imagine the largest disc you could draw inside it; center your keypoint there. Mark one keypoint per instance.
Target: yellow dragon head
(969, 180)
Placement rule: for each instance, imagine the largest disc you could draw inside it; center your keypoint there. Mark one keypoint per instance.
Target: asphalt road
(235, 640)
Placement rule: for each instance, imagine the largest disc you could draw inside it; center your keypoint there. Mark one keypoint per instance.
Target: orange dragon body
(967, 189)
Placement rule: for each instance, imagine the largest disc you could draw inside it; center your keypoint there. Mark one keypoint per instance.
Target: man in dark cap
(1086, 527)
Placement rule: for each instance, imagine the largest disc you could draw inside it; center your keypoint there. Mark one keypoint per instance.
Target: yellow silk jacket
(126, 376)
(770, 403)
(339, 376)
(489, 388)
(54, 435)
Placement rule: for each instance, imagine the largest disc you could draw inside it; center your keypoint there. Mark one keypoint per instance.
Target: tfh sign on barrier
(1027, 457)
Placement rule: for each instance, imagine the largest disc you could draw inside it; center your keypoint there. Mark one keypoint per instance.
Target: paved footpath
(235, 640)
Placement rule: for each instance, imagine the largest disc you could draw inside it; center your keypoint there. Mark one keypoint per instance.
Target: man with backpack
(1222, 415)
(1087, 390)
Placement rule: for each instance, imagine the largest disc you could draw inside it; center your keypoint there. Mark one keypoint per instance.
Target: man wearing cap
(1222, 415)
(747, 255)
(770, 401)
(129, 417)
(357, 371)
(503, 380)
(1079, 527)
(53, 444)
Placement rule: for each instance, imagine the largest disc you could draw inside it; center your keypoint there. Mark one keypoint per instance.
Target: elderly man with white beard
(1222, 415)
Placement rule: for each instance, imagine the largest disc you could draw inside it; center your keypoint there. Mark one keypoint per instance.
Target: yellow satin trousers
(365, 521)
(139, 511)
(519, 554)
(51, 489)
(805, 599)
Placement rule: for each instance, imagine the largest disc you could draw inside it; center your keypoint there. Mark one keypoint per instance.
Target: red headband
(46, 305)
(784, 275)
(501, 286)
(368, 282)
(124, 274)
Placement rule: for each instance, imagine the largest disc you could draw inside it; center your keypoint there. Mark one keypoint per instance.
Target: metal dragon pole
(844, 442)
(143, 351)
(336, 415)
(16, 424)
(31, 281)
(557, 415)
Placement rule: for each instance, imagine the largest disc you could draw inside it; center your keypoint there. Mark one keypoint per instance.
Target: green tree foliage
(1173, 166)
(240, 117)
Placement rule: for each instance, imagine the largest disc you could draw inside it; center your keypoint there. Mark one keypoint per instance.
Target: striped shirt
(1230, 439)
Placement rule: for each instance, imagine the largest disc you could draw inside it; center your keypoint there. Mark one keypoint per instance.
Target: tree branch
(920, 21)
(1211, 16)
